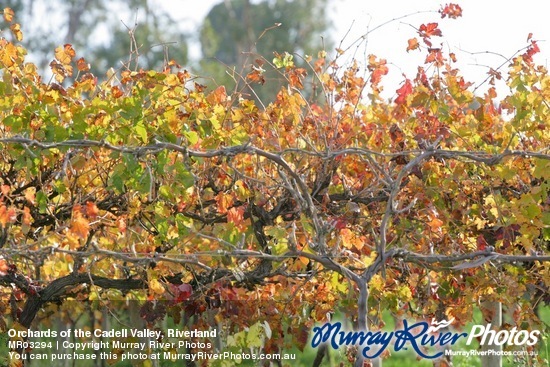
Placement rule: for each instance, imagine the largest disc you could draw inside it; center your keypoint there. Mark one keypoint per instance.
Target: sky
(487, 33)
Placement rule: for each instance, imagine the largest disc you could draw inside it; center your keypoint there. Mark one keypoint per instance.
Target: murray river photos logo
(418, 336)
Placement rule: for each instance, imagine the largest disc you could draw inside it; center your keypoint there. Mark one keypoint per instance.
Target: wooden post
(494, 312)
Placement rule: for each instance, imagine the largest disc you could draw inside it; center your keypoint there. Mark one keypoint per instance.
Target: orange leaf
(82, 65)
(413, 44)
(235, 215)
(435, 224)
(3, 267)
(224, 201)
(27, 217)
(256, 76)
(91, 209)
(5, 189)
(452, 11)
(429, 30)
(79, 225)
(8, 14)
(7, 215)
(218, 95)
(121, 224)
(378, 69)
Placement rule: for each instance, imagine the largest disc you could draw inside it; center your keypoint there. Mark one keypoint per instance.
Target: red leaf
(531, 51)
(429, 30)
(182, 292)
(403, 92)
(378, 69)
(481, 243)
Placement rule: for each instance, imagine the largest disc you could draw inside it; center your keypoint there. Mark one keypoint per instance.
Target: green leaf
(42, 201)
(141, 131)
(192, 137)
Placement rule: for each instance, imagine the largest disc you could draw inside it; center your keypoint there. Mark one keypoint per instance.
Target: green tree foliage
(111, 33)
(237, 32)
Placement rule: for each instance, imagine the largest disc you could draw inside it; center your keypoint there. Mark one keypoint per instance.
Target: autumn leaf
(181, 292)
(296, 77)
(8, 15)
(435, 56)
(5, 189)
(16, 30)
(235, 215)
(30, 195)
(256, 75)
(92, 210)
(3, 266)
(224, 201)
(531, 51)
(378, 68)
(412, 44)
(429, 30)
(7, 215)
(82, 65)
(403, 92)
(9, 54)
(452, 11)
(121, 224)
(156, 287)
(218, 95)
(79, 225)
(65, 54)
(27, 217)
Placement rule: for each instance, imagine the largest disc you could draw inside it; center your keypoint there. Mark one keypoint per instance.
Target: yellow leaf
(16, 30)
(65, 54)
(8, 54)
(346, 236)
(156, 287)
(376, 283)
(30, 195)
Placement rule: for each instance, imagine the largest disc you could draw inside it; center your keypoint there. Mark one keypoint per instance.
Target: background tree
(110, 32)
(264, 219)
(237, 32)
